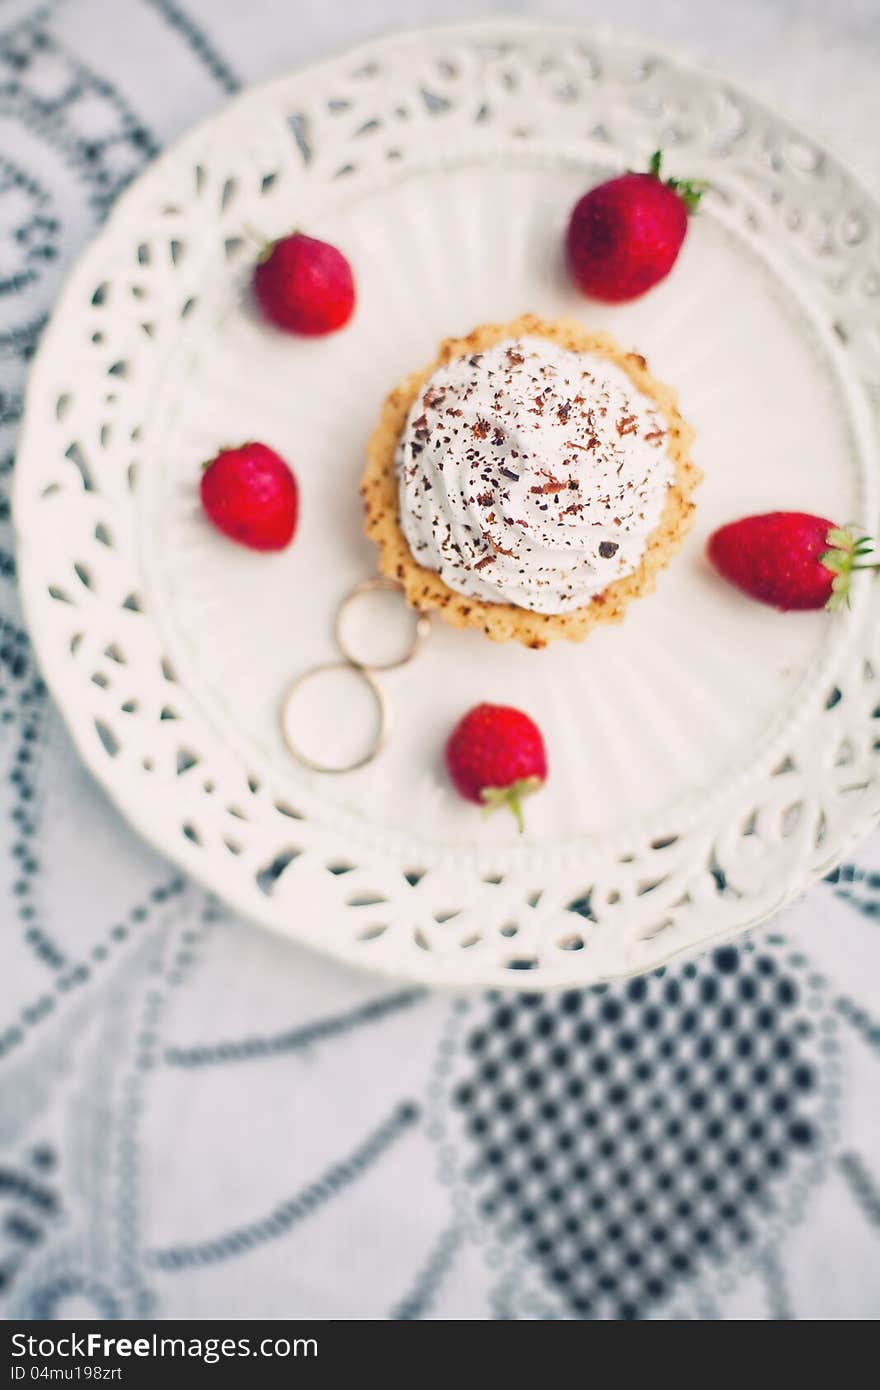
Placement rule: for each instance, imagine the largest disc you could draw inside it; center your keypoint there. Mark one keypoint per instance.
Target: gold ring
(383, 728)
(369, 586)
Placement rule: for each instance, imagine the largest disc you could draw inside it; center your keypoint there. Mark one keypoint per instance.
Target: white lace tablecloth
(197, 1120)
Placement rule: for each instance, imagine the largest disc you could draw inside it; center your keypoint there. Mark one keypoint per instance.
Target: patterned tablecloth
(199, 1120)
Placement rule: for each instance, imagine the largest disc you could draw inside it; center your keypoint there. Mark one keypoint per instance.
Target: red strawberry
(304, 286)
(250, 494)
(624, 235)
(495, 757)
(789, 559)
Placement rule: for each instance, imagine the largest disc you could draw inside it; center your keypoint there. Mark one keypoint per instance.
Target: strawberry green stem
(690, 191)
(512, 797)
(224, 449)
(847, 554)
(264, 245)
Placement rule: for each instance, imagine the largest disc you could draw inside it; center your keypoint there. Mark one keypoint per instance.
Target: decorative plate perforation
(100, 498)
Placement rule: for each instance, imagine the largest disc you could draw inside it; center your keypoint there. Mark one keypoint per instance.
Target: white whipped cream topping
(531, 475)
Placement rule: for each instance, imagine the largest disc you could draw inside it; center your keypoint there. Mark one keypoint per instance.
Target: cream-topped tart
(530, 482)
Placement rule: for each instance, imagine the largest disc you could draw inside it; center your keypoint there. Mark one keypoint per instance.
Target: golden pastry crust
(502, 622)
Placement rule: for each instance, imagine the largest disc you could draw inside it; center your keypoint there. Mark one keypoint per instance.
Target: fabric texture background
(197, 1120)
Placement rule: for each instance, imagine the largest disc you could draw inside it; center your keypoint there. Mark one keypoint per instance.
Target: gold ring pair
(362, 670)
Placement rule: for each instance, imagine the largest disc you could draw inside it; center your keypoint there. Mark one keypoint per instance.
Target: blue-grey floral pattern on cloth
(199, 1120)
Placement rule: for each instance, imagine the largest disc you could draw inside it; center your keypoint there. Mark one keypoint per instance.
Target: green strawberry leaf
(511, 797)
(690, 191)
(842, 559)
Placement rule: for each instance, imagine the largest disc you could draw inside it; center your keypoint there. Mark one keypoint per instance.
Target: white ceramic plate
(709, 758)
